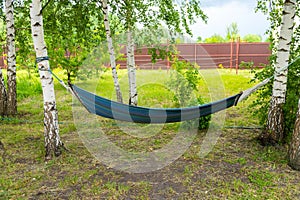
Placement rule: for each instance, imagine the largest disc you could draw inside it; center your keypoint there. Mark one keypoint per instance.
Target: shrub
(183, 81)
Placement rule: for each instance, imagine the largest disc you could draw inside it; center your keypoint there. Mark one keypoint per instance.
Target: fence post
(195, 51)
(231, 53)
(237, 54)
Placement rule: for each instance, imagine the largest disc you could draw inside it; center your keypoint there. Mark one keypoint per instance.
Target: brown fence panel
(227, 55)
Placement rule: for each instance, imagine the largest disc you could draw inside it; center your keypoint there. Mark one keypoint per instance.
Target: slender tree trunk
(111, 52)
(294, 151)
(11, 59)
(133, 96)
(53, 143)
(3, 97)
(274, 132)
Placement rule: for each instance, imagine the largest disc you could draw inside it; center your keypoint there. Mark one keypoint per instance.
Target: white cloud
(223, 14)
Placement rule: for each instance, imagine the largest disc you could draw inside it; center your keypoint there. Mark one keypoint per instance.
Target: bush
(183, 82)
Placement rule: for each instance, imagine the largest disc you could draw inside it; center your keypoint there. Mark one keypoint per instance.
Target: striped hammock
(114, 110)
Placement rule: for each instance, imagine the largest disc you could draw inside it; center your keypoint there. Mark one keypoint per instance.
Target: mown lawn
(238, 167)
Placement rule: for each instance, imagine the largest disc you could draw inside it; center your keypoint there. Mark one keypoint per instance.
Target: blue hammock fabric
(118, 111)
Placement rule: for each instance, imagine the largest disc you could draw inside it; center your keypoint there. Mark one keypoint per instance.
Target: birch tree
(133, 96)
(53, 144)
(11, 59)
(111, 51)
(294, 150)
(177, 16)
(3, 97)
(274, 132)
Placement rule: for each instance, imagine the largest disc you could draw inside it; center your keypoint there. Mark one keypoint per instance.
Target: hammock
(114, 110)
(119, 111)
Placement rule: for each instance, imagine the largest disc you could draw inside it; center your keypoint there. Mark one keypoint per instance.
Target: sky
(221, 13)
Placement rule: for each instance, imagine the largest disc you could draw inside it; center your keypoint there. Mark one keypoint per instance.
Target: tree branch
(45, 6)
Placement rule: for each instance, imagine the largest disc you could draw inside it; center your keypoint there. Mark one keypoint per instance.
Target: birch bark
(11, 59)
(133, 96)
(53, 144)
(3, 97)
(111, 52)
(294, 150)
(274, 132)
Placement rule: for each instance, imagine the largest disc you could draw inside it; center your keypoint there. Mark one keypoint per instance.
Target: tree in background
(176, 15)
(252, 38)
(73, 32)
(53, 144)
(232, 32)
(111, 51)
(274, 132)
(199, 39)
(216, 38)
(25, 53)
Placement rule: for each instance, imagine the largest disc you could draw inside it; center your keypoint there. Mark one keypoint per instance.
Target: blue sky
(221, 13)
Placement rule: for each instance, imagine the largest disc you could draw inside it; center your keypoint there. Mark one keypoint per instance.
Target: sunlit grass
(237, 168)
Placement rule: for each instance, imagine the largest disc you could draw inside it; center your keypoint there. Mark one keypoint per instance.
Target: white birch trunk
(3, 97)
(294, 150)
(111, 52)
(11, 59)
(53, 144)
(274, 132)
(133, 96)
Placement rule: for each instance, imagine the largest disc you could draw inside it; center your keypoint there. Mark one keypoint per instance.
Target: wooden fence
(227, 55)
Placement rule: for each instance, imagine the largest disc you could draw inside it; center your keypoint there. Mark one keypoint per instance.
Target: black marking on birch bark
(274, 132)
(279, 98)
(51, 82)
(283, 50)
(12, 72)
(105, 20)
(35, 34)
(282, 38)
(36, 24)
(277, 89)
(279, 76)
(288, 1)
(284, 12)
(50, 133)
(13, 57)
(11, 26)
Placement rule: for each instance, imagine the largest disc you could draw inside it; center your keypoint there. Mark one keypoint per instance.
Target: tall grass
(28, 83)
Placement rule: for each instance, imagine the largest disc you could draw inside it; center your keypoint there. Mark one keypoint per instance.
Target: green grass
(237, 167)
